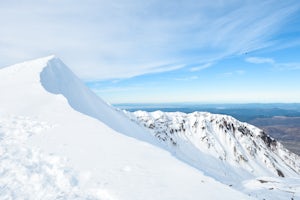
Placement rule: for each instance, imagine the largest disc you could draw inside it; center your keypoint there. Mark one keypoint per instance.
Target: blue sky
(164, 51)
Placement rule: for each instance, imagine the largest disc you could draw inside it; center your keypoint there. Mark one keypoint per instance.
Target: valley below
(284, 129)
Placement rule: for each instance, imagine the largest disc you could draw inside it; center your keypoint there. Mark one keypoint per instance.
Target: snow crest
(57, 78)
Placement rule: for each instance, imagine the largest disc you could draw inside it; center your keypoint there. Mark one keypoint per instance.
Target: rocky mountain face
(236, 150)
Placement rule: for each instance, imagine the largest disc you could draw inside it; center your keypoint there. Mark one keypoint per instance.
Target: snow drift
(57, 78)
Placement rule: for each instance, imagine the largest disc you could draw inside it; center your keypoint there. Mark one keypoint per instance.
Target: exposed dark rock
(263, 181)
(244, 130)
(279, 173)
(233, 127)
(270, 142)
(151, 126)
(228, 126)
(173, 142)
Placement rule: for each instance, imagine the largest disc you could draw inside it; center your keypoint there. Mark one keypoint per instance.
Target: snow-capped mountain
(58, 140)
(225, 141)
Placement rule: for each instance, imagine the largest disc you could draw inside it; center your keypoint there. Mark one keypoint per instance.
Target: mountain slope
(60, 141)
(220, 146)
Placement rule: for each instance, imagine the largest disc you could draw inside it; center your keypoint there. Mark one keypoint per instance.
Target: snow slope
(58, 140)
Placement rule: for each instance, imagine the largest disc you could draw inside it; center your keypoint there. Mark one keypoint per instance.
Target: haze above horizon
(164, 51)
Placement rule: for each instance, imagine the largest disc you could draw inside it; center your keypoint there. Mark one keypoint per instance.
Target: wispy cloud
(288, 66)
(233, 73)
(226, 74)
(116, 89)
(240, 72)
(117, 39)
(201, 67)
(272, 62)
(260, 60)
(189, 78)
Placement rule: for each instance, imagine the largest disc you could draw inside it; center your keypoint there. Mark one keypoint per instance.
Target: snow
(27, 173)
(58, 140)
(274, 188)
(58, 79)
(221, 147)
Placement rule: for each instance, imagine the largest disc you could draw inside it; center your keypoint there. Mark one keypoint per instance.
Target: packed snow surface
(58, 140)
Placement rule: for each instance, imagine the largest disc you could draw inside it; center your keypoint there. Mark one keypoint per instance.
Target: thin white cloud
(240, 72)
(116, 89)
(288, 66)
(189, 78)
(260, 60)
(198, 68)
(117, 39)
(273, 63)
(226, 74)
(233, 73)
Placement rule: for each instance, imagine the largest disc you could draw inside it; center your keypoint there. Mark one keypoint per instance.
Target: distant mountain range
(243, 112)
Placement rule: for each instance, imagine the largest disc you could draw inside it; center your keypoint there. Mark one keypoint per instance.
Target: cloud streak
(260, 60)
(190, 78)
(119, 39)
(272, 62)
(233, 73)
(201, 67)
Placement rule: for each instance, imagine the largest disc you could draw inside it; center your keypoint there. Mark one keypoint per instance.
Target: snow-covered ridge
(62, 120)
(229, 144)
(57, 78)
(50, 75)
(76, 126)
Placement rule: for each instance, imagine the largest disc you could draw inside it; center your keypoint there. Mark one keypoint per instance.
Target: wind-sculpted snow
(72, 145)
(57, 78)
